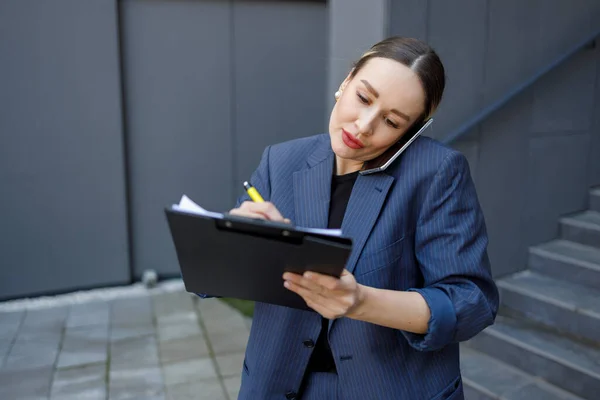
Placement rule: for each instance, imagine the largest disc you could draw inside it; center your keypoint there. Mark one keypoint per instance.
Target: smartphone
(387, 158)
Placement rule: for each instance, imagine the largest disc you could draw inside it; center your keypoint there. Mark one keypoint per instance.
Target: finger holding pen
(253, 193)
(258, 207)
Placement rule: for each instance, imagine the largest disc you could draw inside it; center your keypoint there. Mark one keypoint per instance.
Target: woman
(418, 280)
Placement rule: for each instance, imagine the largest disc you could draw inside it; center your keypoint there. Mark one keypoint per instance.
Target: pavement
(146, 344)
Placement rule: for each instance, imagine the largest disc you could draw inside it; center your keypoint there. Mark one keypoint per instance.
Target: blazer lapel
(312, 188)
(368, 195)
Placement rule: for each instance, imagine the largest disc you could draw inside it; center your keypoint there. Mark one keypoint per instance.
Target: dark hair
(420, 58)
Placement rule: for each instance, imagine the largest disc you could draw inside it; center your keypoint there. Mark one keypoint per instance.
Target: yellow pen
(253, 193)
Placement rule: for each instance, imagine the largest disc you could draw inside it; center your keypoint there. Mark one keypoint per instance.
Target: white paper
(321, 231)
(188, 205)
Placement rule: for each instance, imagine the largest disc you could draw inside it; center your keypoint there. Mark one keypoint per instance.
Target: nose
(365, 121)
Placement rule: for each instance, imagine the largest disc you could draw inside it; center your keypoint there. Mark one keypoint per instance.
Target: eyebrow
(376, 94)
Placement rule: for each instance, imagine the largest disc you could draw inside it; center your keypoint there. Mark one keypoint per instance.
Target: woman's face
(375, 109)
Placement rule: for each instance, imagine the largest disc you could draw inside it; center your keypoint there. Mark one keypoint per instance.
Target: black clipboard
(245, 258)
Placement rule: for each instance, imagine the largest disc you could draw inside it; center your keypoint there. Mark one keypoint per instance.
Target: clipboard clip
(260, 228)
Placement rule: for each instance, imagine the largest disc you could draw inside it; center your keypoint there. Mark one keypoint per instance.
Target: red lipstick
(351, 141)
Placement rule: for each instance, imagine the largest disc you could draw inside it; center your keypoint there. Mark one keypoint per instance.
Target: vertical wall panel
(457, 30)
(594, 150)
(562, 24)
(61, 158)
(354, 26)
(409, 18)
(564, 99)
(557, 183)
(178, 86)
(513, 46)
(280, 61)
(501, 183)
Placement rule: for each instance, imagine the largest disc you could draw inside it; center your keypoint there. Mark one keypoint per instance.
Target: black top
(341, 188)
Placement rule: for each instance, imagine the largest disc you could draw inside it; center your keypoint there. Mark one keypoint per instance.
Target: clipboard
(245, 258)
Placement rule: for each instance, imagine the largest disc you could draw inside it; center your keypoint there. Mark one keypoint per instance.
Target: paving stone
(183, 349)
(153, 340)
(225, 323)
(9, 324)
(136, 311)
(139, 352)
(118, 333)
(226, 328)
(189, 371)
(47, 320)
(38, 336)
(96, 313)
(213, 309)
(232, 385)
(33, 351)
(139, 395)
(204, 390)
(131, 318)
(85, 383)
(138, 383)
(26, 384)
(188, 317)
(5, 346)
(86, 345)
(174, 302)
(178, 331)
(230, 342)
(230, 364)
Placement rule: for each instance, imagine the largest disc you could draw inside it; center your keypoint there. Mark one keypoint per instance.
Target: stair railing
(479, 117)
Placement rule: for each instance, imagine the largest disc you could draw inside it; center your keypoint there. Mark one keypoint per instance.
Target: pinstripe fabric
(417, 226)
(322, 385)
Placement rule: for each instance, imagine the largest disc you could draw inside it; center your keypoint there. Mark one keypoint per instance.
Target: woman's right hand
(265, 210)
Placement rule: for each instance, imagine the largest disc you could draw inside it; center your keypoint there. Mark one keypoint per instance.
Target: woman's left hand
(331, 297)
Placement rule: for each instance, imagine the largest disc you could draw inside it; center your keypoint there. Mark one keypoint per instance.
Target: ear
(346, 81)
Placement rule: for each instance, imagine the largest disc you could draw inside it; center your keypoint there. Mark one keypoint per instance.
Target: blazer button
(309, 343)
(290, 395)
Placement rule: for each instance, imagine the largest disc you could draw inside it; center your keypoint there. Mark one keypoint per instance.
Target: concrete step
(567, 261)
(595, 199)
(560, 361)
(486, 378)
(582, 228)
(565, 306)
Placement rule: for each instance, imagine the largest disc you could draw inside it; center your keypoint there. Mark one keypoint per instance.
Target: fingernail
(286, 284)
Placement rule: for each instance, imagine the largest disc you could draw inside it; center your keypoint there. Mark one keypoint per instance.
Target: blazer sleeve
(451, 251)
(260, 180)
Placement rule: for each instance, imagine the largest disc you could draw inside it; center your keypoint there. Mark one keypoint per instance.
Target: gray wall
(177, 86)
(62, 208)
(534, 159)
(206, 85)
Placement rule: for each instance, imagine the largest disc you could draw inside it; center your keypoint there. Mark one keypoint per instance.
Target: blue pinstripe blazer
(417, 226)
